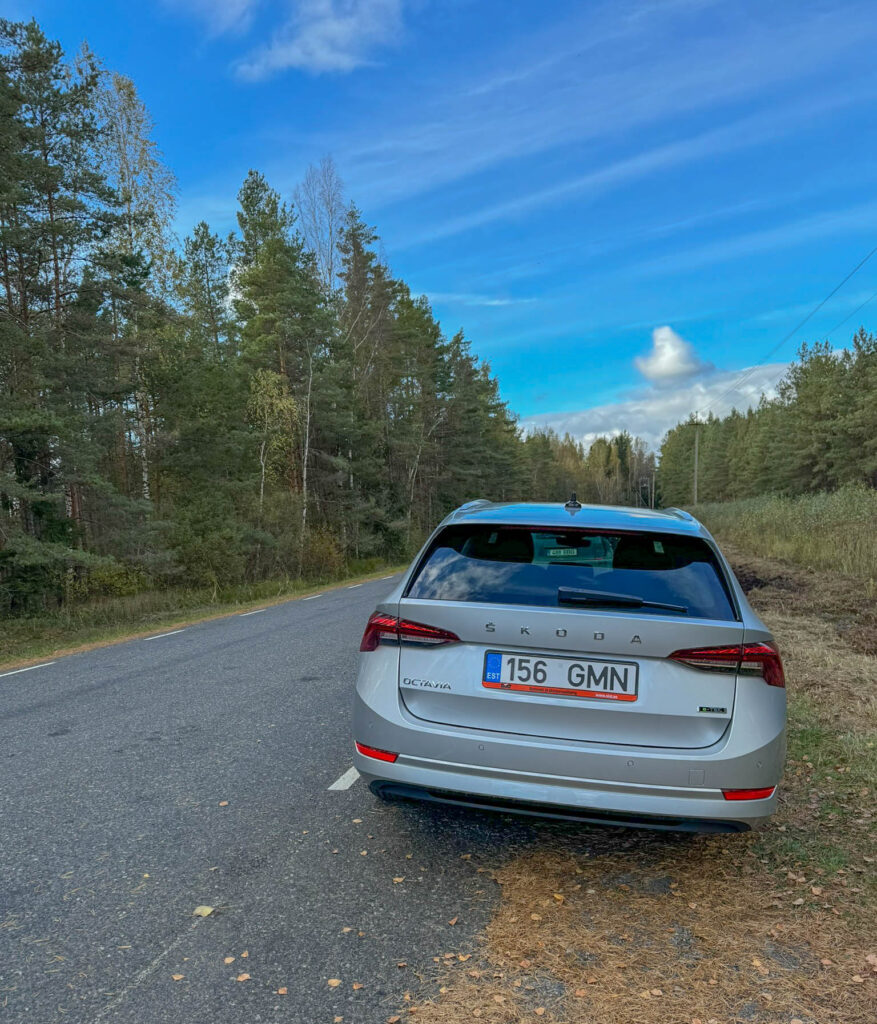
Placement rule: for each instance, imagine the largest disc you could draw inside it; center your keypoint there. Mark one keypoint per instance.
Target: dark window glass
(529, 566)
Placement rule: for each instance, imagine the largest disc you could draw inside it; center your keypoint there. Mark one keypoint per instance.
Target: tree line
(818, 434)
(221, 409)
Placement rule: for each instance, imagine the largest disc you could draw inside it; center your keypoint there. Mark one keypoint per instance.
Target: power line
(751, 370)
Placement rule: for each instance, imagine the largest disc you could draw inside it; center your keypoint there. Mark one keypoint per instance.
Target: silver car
(594, 663)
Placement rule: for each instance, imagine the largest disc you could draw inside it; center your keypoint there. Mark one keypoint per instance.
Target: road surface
(197, 767)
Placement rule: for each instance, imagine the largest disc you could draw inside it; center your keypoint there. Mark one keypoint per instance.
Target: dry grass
(769, 927)
(836, 531)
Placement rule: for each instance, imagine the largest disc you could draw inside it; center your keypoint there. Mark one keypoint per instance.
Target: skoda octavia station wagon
(594, 663)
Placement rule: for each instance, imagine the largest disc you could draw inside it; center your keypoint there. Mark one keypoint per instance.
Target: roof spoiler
(469, 505)
(680, 513)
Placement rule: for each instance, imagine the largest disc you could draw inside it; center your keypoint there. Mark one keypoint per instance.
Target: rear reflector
(378, 755)
(748, 794)
(388, 628)
(753, 659)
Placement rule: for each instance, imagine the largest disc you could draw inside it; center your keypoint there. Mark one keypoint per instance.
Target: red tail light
(754, 659)
(378, 755)
(382, 627)
(748, 794)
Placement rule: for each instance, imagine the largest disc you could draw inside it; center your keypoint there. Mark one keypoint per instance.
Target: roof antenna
(573, 504)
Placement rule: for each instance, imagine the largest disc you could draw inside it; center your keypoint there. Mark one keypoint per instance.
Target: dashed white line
(313, 597)
(158, 636)
(392, 574)
(258, 611)
(346, 780)
(353, 586)
(29, 668)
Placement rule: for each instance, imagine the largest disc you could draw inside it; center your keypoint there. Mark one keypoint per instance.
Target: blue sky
(625, 204)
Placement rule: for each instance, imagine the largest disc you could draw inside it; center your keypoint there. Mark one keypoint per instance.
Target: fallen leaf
(228, 960)
(178, 977)
(357, 985)
(357, 821)
(245, 953)
(535, 917)
(394, 1019)
(816, 890)
(857, 979)
(559, 897)
(798, 902)
(580, 992)
(242, 977)
(656, 992)
(282, 991)
(401, 878)
(202, 911)
(363, 853)
(333, 982)
(453, 920)
(402, 963)
(223, 803)
(539, 1011)
(463, 957)
(499, 999)
(347, 929)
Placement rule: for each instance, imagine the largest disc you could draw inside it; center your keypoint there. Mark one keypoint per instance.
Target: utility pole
(696, 452)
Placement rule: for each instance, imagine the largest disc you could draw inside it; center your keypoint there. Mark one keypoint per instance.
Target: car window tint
(527, 566)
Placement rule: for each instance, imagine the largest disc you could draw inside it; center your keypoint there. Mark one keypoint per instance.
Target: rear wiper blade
(570, 595)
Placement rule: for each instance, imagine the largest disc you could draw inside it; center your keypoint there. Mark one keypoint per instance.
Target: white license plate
(561, 677)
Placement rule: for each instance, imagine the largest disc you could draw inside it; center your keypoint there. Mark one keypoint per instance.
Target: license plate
(561, 677)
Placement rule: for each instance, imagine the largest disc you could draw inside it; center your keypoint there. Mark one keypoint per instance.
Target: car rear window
(546, 568)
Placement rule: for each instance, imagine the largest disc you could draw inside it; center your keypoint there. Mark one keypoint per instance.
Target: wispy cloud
(469, 299)
(636, 80)
(858, 219)
(219, 17)
(326, 36)
(651, 412)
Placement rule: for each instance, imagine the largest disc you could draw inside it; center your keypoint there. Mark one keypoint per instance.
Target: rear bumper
(647, 787)
(588, 815)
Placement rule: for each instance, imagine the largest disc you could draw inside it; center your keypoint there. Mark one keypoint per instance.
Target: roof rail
(680, 513)
(474, 504)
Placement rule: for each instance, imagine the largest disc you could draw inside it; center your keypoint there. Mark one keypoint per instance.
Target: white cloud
(671, 359)
(470, 299)
(327, 35)
(651, 412)
(222, 16)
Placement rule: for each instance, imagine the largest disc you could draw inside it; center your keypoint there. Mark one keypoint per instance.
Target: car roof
(599, 517)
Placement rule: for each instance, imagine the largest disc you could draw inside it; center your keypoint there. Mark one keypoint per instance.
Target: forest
(213, 410)
(818, 434)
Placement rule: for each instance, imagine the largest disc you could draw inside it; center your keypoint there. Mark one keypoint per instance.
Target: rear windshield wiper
(602, 599)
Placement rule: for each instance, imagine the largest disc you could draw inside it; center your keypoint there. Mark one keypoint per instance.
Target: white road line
(353, 586)
(141, 976)
(346, 780)
(392, 574)
(158, 636)
(29, 668)
(313, 597)
(258, 611)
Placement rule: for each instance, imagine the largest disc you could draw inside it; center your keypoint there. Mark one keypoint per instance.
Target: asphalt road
(142, 780)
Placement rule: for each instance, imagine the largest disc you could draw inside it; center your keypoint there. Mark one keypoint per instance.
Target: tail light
(748, 794)
(378, 755)
(383, 628)
(759, 659)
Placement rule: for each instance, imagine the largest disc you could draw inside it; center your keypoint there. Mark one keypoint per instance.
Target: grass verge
(113, 620)
(835, 531)
(774, 927)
